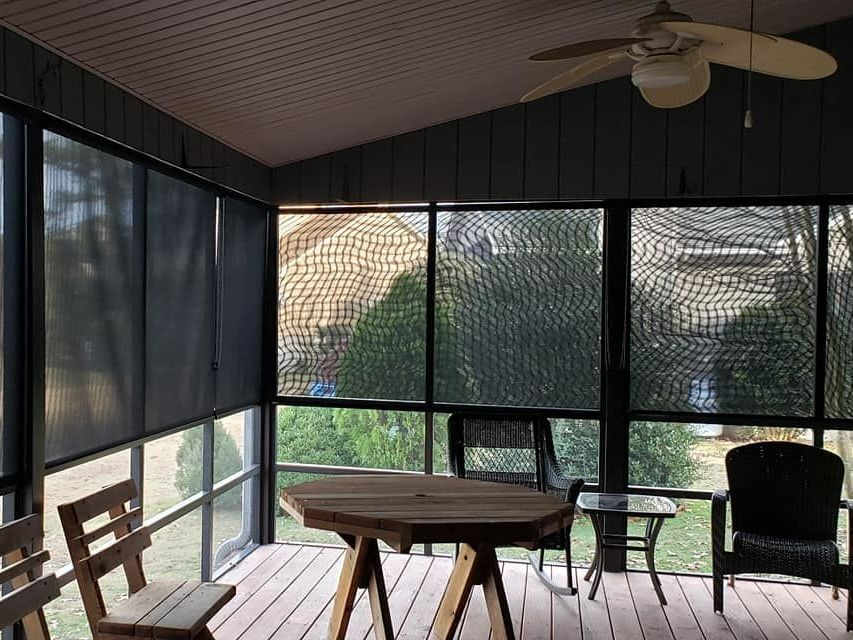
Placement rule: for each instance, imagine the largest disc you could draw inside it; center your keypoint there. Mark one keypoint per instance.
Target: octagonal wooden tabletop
(406, 510)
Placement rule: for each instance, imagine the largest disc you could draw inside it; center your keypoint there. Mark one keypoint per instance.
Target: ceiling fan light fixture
(661, 72)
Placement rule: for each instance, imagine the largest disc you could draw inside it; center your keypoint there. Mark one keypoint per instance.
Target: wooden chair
(174, 609)
(27, 593)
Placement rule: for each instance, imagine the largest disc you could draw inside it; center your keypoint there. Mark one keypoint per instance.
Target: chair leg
(849, 608)
(718, 592)
(570, 581)
(834, 592)
(732, 581)
(541, 559)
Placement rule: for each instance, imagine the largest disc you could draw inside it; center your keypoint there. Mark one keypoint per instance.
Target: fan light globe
(660, 72)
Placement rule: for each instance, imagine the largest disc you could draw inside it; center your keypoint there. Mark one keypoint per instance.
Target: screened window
(92, 300)
(722, 315)
(839, 326)
(518, 307)
(352, 308)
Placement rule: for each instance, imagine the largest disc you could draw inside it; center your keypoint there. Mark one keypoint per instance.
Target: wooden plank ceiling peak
(284, 81)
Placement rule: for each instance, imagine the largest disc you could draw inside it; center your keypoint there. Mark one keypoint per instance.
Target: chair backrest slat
(25, 565)
(31, 597)
(20, 534)
(116, 525)
(102, 501)
(26, 593)
(117, 553)
(126, 550)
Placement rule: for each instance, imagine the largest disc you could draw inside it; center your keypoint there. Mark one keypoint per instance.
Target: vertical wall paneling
(801, 122)
(315, 179)
(612, 138)
(93, 102)
(723, 132)
(440, 162)
(577, 142)
(19, 68)
(133, 121)
(286, 184)
(219, 159)
(376, 171)
(408, 173)
(166, 141)
(507, 170)
(150, 135)
(761, 144)
(73, 103)
(346, 175)
(2, 60)
(685, 150)
(648, 148)
(473, 157)
(114, 112)
(837, 123)
(48, 94)
(542, 149)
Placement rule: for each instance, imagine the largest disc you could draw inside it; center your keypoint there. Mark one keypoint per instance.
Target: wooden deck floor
(284, 592)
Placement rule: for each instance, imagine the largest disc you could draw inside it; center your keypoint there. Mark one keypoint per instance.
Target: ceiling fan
(671, 55)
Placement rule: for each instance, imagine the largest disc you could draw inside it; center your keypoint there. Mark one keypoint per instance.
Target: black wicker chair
(515, 449)
(784, 501)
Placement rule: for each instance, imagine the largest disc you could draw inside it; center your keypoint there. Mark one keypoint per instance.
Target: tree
(189, 459)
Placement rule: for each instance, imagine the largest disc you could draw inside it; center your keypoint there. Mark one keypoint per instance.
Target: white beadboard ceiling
(286, 80)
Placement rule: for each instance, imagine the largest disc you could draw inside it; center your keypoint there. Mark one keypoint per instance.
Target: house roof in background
(284, 81)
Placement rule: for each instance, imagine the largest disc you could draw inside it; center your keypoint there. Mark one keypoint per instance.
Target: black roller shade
(238, 377)
(92, 300)
(180, 306)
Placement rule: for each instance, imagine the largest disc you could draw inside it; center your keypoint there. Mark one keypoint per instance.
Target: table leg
(598, 561)
(474, 566)
(362, 568)
(653, 528)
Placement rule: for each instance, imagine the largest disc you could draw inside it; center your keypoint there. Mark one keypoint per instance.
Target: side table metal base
(620, 541)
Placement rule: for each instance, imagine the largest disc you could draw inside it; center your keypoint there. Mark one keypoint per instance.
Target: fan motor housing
(660, 71)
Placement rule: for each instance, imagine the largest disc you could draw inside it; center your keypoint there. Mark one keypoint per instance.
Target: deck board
(284, 592)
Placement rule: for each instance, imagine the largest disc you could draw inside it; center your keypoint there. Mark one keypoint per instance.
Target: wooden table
(407, 510)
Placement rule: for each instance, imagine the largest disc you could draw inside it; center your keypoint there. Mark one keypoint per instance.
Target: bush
(226, 461)
(660, 452)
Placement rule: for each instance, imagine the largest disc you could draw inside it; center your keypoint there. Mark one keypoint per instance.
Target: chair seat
(757, 553)
(178, 609)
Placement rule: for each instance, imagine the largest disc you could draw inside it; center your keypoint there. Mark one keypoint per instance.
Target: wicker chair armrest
(571, 487)
(848, 504)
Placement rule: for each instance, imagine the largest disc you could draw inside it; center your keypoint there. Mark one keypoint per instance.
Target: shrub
(226, 461)
(660, 452)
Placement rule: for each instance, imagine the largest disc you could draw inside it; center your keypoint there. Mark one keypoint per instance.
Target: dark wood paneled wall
(604, 141)
(39, 78)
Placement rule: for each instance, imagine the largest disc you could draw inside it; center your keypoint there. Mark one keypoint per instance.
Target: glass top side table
(655, 509)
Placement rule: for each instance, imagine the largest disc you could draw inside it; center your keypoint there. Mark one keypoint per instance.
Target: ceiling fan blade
(684, 94)
(771, 55)
(581, 49)
(573, 76)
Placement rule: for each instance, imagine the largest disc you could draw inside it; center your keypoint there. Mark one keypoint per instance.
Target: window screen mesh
(839, 326)
(518, 307)
(92, 291)
(722, 316)
(180, 308)
(352, 308)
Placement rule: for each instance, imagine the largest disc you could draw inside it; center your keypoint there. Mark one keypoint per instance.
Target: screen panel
(722, 309)
(352, 307)
(238, 378)
(518, 307)
(839, 325)
(92, 300)
(180, 308)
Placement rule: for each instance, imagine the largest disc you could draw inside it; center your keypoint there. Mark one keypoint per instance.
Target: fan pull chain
(747, 117)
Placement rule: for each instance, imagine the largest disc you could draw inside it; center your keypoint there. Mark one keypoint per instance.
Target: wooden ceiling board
(283, 81)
